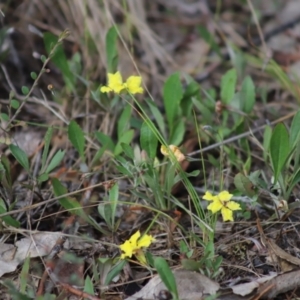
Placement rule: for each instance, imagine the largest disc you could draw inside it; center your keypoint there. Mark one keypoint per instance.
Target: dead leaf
(248, 287)
(281, 284)
(28, 141)
(39, 244)
(190, 285)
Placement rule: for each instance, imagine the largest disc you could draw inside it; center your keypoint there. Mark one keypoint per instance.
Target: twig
(61, 38)
(242, 135)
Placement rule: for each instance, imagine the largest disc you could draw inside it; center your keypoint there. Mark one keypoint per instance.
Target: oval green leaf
(148, 140)
(172, 95)
(166, 275)
(76, 137)
(228, 83)
(295, 130)
(20, 156)
(279, 149)
(247, 95)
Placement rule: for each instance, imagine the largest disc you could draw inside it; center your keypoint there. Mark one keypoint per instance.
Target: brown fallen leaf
(279, 253)
(281, 284)
(190, 285)
(39, 244)
(247, 288)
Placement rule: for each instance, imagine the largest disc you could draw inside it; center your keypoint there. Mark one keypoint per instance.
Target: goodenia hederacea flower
(133, 85)
(222, 202)
(115, 84)
(134, 246)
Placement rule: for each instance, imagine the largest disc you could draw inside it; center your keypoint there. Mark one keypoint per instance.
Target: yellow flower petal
(233, 205)
(215, 206)
(145, 241)
(134, 238)
(226, 214)
(127, 249)
(224, 196)
(105, 89)
(133, 85)
(115, 79)
(123, 256)
(209, 197)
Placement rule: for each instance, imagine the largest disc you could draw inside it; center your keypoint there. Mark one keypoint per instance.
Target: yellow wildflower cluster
(116, 84)
(222, 202)
(134, 246)
(174, 149)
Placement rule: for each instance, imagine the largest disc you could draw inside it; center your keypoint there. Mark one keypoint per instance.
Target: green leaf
(228, 83)
(7, 219)
(191, 264)
(43, 177)
(43, 58)
(47, 141)
(76, 136)
(266, 141)
(166, 275)
(172, 95)
(247, 95)
(4, 117)
(20, 156)
(279, 149)
(295, 180)
(123, 122)
(24, 274)
(113, 199)
(128, 150)
(71, 205)
(7, 171)
(14, 103)
(115, 270)
(178, 133)
(191, 90)
(97, 156)
(126, 138)
(88, 285)
(25, 90)
(55, 161)
(209, 38)
(33, 75)
(124, 171)
(13, 292)
(105, 211)
(244, 185)
(295, 130)
(105, 141)
(59, 59)
(148, 140)
(157, 115)
(111, 50)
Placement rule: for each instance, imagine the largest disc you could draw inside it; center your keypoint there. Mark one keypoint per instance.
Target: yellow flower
(222, 202)
(116, 84)
(176, 151)
(133, 85)
(134, 246)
